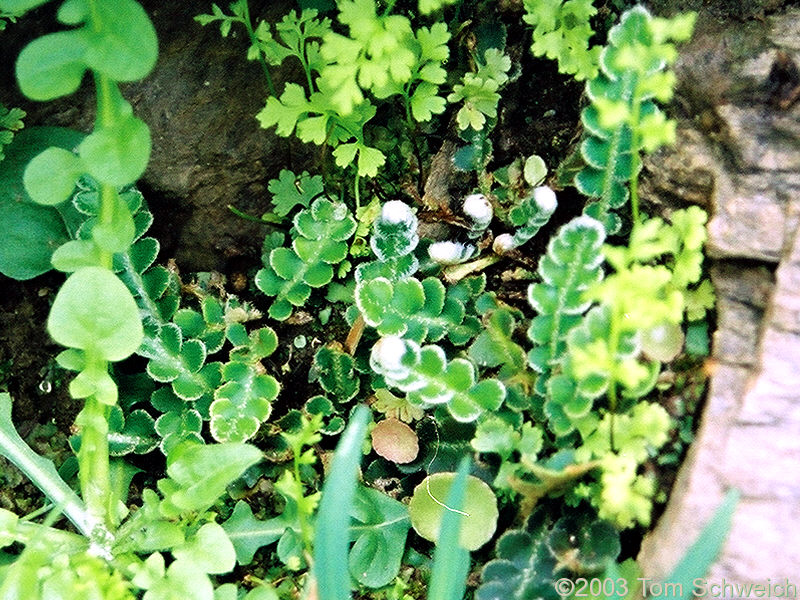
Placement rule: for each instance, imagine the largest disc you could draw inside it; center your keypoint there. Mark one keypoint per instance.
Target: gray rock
(749, 437)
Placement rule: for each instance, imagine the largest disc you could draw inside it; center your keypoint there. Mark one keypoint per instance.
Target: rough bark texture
(740, 157)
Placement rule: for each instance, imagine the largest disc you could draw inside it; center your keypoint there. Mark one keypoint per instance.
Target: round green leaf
(480, 504)
(52, 66)
(50, 177)
(535, 170)
(30, 233)
(94, 311)
(126, 46)
(117, 155)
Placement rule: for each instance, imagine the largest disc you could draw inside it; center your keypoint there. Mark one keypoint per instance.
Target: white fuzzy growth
(395, 212)
(388, 352)
(449, 253)
(478, 208)
(545, 199)
(503, 243)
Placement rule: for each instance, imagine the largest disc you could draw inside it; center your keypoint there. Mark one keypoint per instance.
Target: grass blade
(697, 560)
(451, 561)
(332, 535)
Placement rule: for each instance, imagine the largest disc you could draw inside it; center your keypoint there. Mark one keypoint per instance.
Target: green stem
(636, 159)
(254, 41)
(357, 192)
(94, 471)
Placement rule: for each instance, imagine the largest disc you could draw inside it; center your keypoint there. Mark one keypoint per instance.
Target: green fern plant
(430, 379)
(529, 559)
(320, 235)
(572, 265)
(480, 90)
(623, 118)
(562, 32)
(10, 123)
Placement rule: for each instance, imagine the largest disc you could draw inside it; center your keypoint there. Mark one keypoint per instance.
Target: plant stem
(94, 471)
(456, 273)
(254, 41)
(357, 192)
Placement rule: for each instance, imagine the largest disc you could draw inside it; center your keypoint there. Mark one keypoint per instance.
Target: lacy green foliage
(605, 350)
(417, 310)
(430, 379)
(622, 442)
(479, 90)
(383, 56)
(429, 6)
(529, 559)
(672, 288)
(10, 123)
(623, 118)
(290, 190)
(504, 435)
(562, 32)
(335, 372)
(320, 235)
(572, 265)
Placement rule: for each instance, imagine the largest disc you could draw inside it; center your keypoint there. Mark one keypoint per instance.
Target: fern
(417, 310)
(10, 123)
(623, 118)
(571, 266)
(479, 90)
(320, 235)
(430, 379)
(562, 32)
(529, 559)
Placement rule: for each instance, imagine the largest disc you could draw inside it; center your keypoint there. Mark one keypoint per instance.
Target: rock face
(200, 103)
(743, 164)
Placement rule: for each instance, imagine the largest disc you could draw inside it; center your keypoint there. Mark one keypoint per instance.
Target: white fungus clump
(449, 253)
(478, 208)
(545, 199)
(503, 243)
(395, 212)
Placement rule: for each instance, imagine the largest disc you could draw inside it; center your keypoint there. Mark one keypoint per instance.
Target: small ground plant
(468, 408)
